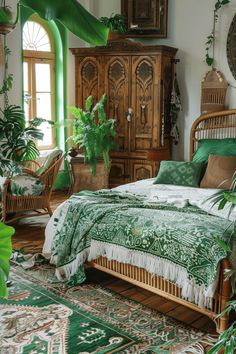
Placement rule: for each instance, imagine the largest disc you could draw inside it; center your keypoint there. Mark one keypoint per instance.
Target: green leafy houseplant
(226, 342)
(93, 132)
(5, 252)
(5, 14)
(210, 43)
(114, 23)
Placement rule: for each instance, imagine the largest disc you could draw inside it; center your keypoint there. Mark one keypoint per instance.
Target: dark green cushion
(180, 173)
(221, 147)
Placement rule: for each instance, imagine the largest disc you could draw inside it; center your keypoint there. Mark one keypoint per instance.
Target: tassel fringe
(190, 290)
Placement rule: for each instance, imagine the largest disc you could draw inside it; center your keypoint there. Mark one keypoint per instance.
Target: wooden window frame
(32, 58)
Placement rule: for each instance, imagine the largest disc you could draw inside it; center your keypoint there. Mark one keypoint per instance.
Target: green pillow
(221, 147)
(180, 173)
(47, 162)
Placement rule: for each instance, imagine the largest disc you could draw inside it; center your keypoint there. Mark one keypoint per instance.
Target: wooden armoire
(137, 80)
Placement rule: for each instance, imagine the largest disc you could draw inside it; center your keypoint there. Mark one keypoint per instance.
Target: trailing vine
(210, 43)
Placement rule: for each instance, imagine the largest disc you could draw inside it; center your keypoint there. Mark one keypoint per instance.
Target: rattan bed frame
(212, 125)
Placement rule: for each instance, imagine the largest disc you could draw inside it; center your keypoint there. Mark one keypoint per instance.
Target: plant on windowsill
(226, 342)
(93, 133)
(116, 25)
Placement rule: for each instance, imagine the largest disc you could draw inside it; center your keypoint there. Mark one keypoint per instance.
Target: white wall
(189, 23)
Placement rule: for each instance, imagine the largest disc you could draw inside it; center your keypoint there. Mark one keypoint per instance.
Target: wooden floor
(30, 236)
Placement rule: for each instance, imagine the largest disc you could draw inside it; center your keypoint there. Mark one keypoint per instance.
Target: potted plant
(93, 134)
(6, 18)
(116, 25)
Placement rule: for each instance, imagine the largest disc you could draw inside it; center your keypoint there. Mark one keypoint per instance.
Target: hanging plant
(210, 43)
(7, 24)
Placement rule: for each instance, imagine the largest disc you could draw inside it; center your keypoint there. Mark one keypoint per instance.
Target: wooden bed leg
(224, 296)
(222, 324)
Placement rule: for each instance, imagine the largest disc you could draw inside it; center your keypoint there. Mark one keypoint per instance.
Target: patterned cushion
(26, 185)
(207, 147)
(180, 173)
(219, 172)
(48, 161)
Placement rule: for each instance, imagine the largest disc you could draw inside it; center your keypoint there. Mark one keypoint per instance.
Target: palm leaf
(73, 16)
(27, 152)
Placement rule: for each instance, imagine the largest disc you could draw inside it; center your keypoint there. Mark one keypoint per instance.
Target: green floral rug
(42, 317)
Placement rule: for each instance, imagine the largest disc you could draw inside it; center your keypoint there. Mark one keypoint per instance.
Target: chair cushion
(180, 173)
(219, 172)
(25, 185)
(48, 161)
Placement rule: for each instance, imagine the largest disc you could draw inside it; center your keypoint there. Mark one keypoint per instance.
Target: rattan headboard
(215, 125)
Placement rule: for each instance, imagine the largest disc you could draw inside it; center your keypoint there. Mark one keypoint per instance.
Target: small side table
(81, 178)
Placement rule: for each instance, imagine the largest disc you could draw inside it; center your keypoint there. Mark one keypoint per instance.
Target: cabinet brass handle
(129, 114)
(143, 114)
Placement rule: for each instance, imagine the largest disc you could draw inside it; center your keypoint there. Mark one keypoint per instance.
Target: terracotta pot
(114, 35)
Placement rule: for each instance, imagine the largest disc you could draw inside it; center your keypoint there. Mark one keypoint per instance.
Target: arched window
(39, 76)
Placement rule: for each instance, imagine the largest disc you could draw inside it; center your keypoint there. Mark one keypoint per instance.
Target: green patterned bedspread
(184, 238)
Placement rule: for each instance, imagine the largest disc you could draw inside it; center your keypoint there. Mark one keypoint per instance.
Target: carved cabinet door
(116, 87)
(88, 79)
(145, 102)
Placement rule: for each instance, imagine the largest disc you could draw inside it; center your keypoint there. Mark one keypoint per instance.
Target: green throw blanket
(177, 243)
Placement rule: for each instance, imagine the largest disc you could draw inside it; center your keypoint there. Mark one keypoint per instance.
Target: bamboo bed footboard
(167, 289)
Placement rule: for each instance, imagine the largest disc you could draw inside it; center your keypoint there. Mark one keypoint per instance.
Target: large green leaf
(5, 252)
(73, 16)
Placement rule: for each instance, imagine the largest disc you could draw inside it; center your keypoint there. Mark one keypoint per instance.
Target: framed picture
(145, 18)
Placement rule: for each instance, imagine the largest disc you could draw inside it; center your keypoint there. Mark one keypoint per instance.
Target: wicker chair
(40, 204)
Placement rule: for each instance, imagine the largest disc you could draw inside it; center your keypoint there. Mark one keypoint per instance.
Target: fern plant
(93, 132)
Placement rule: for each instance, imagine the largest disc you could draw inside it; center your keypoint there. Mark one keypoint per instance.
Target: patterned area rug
(42, 317)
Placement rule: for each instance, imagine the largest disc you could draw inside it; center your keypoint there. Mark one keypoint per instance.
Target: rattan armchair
(26, 206)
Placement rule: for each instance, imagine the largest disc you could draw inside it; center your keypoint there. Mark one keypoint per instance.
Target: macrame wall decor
(213, 91)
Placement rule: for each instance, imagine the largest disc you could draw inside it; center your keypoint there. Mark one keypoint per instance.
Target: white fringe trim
(68, 270)
(157, 266)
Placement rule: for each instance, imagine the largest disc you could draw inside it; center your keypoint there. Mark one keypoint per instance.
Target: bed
(140, 202)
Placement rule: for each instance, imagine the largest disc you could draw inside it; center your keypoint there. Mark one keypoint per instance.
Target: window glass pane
(43, 105)
(43, 80)
(27, 96)
(47, 138)
(35, 37)
(26, 83)
(44, 111)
